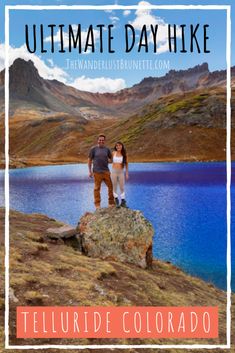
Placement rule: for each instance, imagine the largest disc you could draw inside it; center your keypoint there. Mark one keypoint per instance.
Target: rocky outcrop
(122, 235)
(24, 78)
(29, 90)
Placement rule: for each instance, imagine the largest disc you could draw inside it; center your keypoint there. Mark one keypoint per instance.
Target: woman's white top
(117, 159)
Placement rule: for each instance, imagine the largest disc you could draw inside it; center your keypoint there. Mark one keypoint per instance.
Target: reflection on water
(186, 203)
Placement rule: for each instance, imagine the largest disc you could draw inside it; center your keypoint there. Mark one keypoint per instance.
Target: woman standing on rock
(119, 172)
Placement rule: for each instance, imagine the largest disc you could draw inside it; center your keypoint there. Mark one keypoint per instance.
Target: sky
(109, 72)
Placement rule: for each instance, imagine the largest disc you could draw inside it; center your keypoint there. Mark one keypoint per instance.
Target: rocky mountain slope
(181, 116)
(28, 88)
(187, 127)
(164, 129)
(46, 272)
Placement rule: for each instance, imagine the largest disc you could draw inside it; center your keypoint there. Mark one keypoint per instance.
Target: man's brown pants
(98, 178)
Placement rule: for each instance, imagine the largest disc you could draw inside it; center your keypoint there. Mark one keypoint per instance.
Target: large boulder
(118, 234)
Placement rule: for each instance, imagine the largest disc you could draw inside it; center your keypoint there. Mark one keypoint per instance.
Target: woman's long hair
(123, 152)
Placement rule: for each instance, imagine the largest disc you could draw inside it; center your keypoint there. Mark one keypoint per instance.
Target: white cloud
(99, 84)
(2, 60)
(50, 61)
(164, 47)
(114, 19)
(126, 12)
(144, 16)
(49, 73)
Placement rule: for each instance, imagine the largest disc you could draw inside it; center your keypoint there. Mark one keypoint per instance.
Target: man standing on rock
(100, 156)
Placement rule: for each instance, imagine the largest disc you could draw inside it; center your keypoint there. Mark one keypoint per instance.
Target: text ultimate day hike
(101, 38)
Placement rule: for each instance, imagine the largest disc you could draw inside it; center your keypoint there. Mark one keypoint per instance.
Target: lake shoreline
(21, 216)
(22, 163)
(60, 223)
(170, 195)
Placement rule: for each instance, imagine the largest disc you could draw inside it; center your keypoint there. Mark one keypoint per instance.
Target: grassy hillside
(178, 127)
(187, 127)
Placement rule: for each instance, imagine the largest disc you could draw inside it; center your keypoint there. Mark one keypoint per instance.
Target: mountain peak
(172, 74)
(23, 76)
(22, 62)
(198, 69)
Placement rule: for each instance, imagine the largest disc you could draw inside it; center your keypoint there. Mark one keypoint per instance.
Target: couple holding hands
(99, 158)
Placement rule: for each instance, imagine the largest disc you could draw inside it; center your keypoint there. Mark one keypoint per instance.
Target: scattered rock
(100, 290)
(65, 235)
(64, 232)
(117, 234)
(12, 296)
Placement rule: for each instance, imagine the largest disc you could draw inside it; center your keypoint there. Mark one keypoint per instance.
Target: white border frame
(228, 169)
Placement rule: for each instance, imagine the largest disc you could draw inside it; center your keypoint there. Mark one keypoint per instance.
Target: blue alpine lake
(185, 202)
